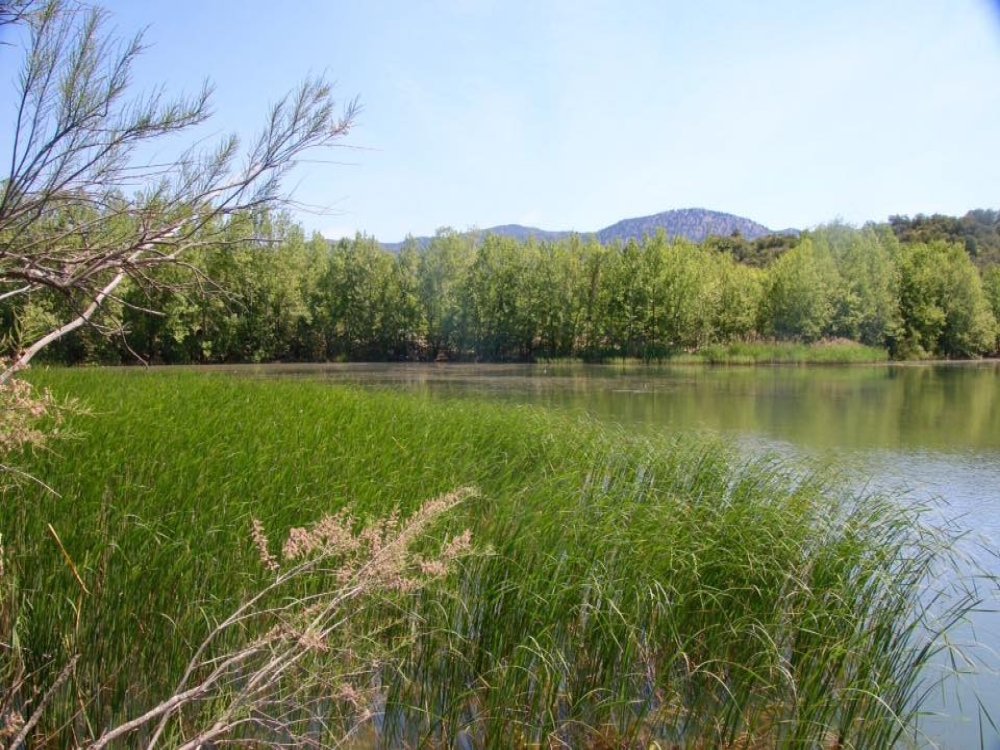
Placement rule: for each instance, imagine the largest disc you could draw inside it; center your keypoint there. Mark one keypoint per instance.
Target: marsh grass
(758, 352)
(624, 591)
(839, 352)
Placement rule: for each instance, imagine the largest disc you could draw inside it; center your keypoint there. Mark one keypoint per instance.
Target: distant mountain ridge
(693, 224)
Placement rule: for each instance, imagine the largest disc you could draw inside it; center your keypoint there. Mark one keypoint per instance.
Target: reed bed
(834, 352)
(623, 591)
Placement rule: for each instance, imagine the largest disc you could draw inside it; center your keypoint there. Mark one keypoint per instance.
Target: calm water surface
(933, 430)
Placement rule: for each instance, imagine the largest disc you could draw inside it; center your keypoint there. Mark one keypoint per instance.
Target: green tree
(594, 295)
(441, 271)
(351, 291)
(242, 297)
(683, 294)
(944, 308)
(555, 296)
(800, 293)
(738, 293)
(970, 327)
(496, 298)
(991, 287)
(370, 300)
(626, 299)
(404, 327)
(866, 296)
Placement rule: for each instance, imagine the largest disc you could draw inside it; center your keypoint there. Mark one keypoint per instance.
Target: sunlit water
(932, 430)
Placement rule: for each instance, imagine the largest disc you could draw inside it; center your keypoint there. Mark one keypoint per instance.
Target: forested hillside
(282, 296)
(978, 231)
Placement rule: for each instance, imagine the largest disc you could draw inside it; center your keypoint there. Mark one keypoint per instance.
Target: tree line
(262, 291)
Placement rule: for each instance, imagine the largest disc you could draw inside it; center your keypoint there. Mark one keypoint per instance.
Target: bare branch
(28, 354)
(39, 711)
(66, 225)
(15, 292)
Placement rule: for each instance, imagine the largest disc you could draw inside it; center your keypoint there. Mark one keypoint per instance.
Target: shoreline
(618, 363)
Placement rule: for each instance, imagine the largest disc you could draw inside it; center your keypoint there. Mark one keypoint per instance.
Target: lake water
(932, 430)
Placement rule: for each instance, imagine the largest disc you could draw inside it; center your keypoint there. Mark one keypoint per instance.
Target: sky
(576, 114)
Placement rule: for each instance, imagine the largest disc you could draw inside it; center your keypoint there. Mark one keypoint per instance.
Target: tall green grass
(627, 591)
(839, 352)
(826, 352)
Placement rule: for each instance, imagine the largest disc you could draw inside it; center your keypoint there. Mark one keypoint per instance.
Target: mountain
(694, 224)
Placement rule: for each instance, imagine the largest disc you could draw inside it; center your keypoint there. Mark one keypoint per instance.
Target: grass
(826, 352)
(626, 591)
(839, 352)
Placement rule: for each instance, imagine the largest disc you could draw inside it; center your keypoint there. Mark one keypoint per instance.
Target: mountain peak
(694, 224)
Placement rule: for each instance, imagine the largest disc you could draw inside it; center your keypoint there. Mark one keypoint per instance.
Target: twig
(36, 715)
(26, 475)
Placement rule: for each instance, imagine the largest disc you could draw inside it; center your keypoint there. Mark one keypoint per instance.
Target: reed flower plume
(22, 411)
(298, 645)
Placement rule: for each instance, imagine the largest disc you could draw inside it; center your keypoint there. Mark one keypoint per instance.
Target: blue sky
(572, 115)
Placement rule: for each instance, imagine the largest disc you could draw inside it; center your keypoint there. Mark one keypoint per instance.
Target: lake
(931, 430)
